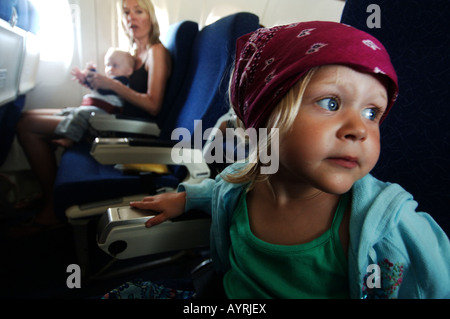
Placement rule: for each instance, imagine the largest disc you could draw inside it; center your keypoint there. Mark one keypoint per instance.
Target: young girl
(321, 226)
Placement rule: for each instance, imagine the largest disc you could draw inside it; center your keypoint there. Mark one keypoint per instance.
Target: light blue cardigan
(411, 250)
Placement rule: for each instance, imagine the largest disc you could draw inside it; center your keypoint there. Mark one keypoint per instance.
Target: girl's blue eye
(330, 104)
(370, 114)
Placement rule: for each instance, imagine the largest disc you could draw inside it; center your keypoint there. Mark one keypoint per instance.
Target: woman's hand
(168, 205)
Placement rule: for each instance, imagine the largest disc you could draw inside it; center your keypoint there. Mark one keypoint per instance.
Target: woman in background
(143, 97)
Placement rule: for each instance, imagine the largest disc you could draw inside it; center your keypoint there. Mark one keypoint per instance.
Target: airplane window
(56, 34)
(163, 20)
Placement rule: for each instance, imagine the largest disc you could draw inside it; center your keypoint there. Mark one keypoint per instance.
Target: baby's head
(118, 63)
(295, 78)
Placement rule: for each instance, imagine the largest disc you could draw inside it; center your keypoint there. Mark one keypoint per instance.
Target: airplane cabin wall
(95, 29)
(97, 22)
(270, 12)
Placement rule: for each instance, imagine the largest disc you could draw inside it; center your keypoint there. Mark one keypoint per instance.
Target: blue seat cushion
(88, 182)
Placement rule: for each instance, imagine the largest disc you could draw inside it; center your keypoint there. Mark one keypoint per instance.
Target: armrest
(109, 151)
(123, 124)
(121, 232)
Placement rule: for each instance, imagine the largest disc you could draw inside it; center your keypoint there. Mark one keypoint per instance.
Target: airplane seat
(415, 138)
(176, 40)
(211, 67)
(19, 23)
(112, 183)
(22, 14)
(179, 64)
(6, 10)
(203, 96)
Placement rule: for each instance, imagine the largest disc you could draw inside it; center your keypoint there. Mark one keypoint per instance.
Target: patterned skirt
(147, 290)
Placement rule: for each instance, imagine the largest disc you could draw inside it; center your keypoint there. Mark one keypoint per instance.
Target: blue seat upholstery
(6, 9)
(178, 37)
(206, 86)
(81, 180)
(28, 19)
(415, 136)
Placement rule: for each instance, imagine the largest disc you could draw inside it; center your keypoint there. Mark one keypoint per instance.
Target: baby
(118, 65)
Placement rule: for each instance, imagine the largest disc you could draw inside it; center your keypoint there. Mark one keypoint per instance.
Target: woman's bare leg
(35, 132)
(63, 142)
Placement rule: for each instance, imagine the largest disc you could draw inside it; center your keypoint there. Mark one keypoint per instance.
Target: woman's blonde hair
(155, 33)
(282, 118)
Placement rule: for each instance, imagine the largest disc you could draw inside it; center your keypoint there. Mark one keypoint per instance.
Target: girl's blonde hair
(155, 33)
(282, 117)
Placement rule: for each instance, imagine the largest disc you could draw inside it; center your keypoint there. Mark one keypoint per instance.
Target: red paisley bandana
(270, 61)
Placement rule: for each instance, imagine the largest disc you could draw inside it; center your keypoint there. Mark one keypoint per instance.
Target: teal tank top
(317, 269)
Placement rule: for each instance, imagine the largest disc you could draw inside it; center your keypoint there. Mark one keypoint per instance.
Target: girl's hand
(169, 206)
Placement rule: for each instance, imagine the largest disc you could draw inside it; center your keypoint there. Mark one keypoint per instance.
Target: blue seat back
(205, 93)
(22, 13)
(415, 136)
(27, 15)
(6, 9)
(178, 40)
(28, 19)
